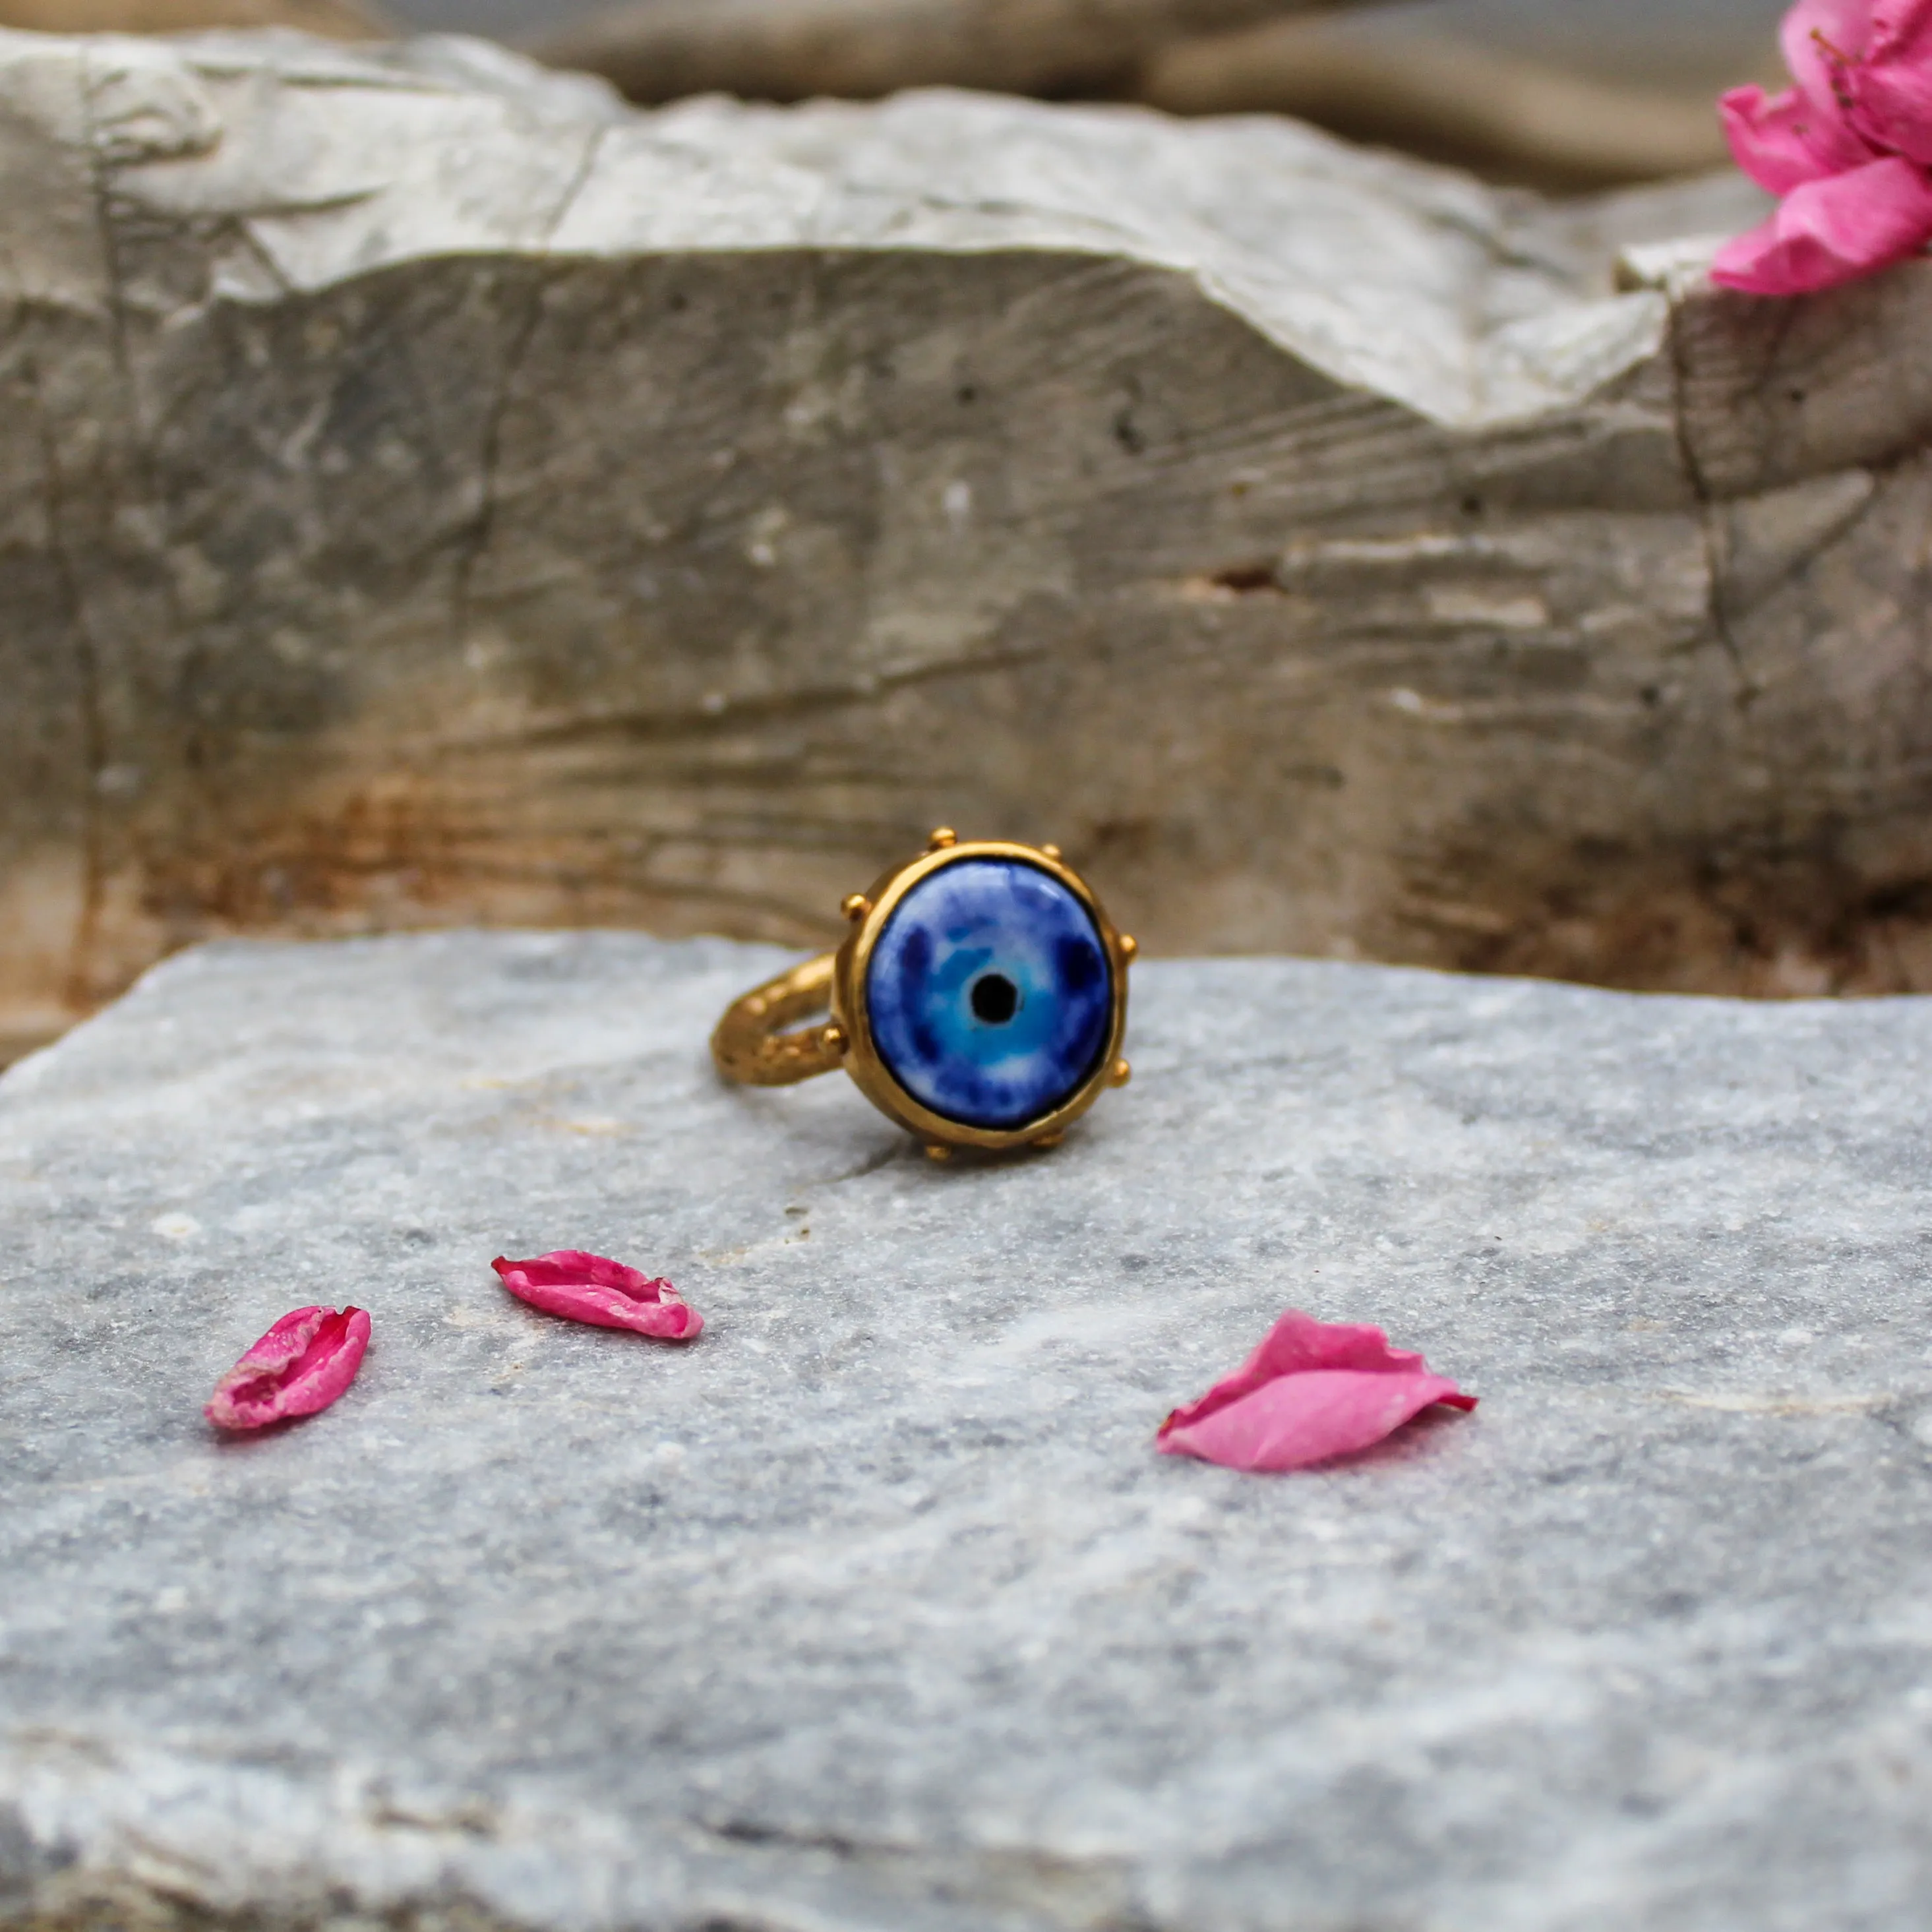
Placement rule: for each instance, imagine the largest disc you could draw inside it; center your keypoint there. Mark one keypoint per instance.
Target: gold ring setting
(980, 1000)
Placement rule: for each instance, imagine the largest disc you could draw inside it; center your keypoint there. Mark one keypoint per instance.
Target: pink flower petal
(606, 1293)
(1781, 141)
(1832, 231)
(1312, 1391)
(1823, 40)
(301, 1366)
(1892, 88)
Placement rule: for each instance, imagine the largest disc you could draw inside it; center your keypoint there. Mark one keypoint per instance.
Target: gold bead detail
(833, 1040)
(935, 1152)
(1050, 852)
(1121, 1074)
(1130, 947)
(855, 905)
(943, 836)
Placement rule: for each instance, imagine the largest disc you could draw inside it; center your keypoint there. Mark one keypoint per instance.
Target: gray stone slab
(876, 1610)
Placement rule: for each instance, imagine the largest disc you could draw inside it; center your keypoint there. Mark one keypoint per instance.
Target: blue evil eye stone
(990, 993)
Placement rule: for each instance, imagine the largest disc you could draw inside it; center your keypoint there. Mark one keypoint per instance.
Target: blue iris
(990, 994)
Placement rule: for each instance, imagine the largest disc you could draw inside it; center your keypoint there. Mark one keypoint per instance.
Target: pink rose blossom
(1849, 148)
(1311, 1391)
(301, 1366)
(587, 1288)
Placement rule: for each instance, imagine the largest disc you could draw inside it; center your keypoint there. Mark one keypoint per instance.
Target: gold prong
(943, 836)
(855, 905)
(1121, 1074)
(832, 1039)
(1130, 946)
(1049, 852)
(933, 1151)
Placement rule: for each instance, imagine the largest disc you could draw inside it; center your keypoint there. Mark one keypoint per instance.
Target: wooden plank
(660, 50)
(500, 507)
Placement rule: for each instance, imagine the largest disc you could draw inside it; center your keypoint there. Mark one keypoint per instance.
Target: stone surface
(431, 493)
(876, 1609)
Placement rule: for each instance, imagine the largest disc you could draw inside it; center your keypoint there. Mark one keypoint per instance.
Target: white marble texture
(875, 1610)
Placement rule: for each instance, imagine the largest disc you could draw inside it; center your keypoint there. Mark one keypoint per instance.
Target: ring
(979, 1000)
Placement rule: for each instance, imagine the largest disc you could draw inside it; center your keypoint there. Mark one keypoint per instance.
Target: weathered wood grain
(430, 493)
(1508, 116)
(661, 50)
(337, 20)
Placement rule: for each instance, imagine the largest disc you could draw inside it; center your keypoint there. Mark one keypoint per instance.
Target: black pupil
(995, 999)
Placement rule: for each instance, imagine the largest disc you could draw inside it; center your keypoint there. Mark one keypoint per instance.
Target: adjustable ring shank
(748, 1045)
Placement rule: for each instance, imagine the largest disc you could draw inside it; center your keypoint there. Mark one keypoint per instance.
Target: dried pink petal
(1313, 1390)
(301, 1366)
(1831, 231)
(587, 1288)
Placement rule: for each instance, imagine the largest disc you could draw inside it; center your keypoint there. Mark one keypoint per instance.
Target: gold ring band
(750, 1045)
